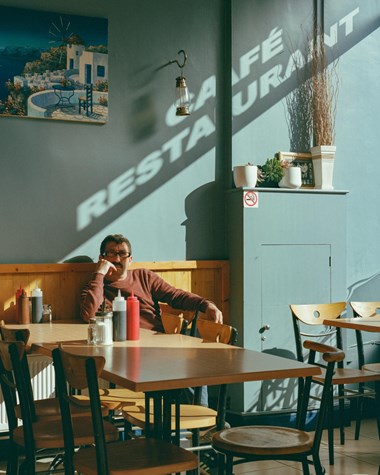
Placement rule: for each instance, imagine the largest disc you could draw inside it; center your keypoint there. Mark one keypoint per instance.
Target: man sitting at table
(112, 274)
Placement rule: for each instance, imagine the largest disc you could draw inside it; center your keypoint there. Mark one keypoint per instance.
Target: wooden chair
(86, 102)
(220, 333)
(173, 324)
(150, 456)
(253, 443)
(44, 433)
(313, 316)
(40, 408)
(192, 416)
(369, 311)
(188, 318)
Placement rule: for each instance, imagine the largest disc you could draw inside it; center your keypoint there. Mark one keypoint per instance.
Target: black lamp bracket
(176, 61)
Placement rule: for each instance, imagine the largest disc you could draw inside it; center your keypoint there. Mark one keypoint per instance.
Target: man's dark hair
(118, 238)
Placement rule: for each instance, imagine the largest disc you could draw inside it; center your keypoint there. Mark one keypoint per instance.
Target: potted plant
(271, 173)
(324, 90)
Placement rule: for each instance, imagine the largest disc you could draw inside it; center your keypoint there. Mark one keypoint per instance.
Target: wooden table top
(371, 324)
(158, 361)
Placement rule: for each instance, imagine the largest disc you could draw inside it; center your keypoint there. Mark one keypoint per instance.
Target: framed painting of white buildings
(53, 65)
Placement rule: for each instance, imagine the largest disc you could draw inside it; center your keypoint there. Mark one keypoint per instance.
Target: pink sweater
(148, 287)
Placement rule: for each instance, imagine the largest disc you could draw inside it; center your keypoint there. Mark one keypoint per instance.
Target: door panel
(290, 274)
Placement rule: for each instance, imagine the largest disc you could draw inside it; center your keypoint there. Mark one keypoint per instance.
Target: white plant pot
(323, 157)
(245, 176)
(292, 178)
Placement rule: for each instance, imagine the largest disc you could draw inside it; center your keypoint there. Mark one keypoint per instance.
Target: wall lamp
(182, 93)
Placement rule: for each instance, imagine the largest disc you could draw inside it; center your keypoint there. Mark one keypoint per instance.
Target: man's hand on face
(213, 313)
(105, 267)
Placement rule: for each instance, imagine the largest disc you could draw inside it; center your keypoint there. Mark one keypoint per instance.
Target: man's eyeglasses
(121, 254)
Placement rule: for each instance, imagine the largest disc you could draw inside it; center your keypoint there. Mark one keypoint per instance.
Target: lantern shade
(182, 97)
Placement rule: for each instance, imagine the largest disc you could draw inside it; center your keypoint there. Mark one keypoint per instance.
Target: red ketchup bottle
(133, 318)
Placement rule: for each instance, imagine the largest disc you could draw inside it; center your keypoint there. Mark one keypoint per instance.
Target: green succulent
(271, 171)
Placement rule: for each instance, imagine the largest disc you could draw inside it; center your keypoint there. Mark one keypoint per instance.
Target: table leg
(162, 414)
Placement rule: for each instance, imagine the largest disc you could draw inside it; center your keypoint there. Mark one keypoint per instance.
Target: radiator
(43, 383)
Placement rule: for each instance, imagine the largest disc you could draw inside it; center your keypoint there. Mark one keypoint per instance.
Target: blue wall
(145, 173)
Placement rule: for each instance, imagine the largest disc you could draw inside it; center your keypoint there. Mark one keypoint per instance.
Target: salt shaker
(91, 332)
(46, 313)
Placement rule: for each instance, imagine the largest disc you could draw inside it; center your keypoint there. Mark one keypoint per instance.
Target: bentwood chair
(188, 319)
(130, 457)
(312, 317)
(193, 417)
(253, 443)
(174, 324)
(44, 433)
(369, 311)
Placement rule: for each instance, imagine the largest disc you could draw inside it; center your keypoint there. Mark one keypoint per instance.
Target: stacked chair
(38, 432)
(370, 311)
(311, 317)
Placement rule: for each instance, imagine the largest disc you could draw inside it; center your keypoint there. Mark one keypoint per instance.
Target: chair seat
(191, 416)
(263, 440)
(349, 376)
(48, 433)
(50, 408)
(138, 457)
(116, 398)
(372, 367)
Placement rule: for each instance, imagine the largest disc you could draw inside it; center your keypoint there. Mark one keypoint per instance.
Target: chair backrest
(173, 323)
(11, 355)
(314, 315)
(329, 357)
(89, 89)
(81, 372)
(218, 332)
(190, 317)
(369, 310)
(8, 386)
(366, 309)
(14, 334)
(21, 334)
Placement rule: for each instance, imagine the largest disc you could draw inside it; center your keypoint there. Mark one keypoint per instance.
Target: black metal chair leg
(341, 413)
(12, 465)
(377, 405)
(330, 429)
(305, 467)
(359, 411)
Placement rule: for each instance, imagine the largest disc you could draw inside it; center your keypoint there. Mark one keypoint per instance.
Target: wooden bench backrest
(62, 283)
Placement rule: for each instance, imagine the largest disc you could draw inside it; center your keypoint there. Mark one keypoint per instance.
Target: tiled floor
(356, 457)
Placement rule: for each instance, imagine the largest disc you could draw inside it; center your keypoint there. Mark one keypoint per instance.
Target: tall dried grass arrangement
(299, 117)
(324, 93)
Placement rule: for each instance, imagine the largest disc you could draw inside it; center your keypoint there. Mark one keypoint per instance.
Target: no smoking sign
(250, 199)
